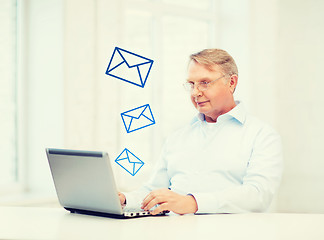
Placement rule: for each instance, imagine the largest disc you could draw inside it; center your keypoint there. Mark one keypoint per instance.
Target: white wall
(300, 111)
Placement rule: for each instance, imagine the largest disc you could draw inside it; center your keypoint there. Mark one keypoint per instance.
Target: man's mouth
(201, 103)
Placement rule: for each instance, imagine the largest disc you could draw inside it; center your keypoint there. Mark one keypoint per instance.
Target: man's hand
(122, 199)
(169, 201)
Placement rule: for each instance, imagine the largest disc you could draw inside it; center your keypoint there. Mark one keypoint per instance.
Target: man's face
(218, 98)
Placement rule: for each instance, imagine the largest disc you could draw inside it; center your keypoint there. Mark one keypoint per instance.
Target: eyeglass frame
(192, 85)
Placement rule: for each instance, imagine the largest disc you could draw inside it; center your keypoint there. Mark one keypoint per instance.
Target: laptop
(85, 183)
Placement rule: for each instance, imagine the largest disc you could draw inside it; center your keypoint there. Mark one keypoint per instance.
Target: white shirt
(231, 166)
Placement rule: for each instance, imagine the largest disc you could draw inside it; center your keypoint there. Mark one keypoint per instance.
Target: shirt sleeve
(159, 179)
(263, 176)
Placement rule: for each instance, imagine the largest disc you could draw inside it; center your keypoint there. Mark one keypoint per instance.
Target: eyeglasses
(201, 86)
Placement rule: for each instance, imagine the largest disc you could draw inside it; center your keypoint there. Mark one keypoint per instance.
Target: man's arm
(260, 183)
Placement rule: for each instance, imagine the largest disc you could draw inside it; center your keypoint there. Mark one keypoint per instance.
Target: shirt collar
(238, 113)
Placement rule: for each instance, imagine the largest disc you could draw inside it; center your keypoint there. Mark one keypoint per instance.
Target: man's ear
(233, 82)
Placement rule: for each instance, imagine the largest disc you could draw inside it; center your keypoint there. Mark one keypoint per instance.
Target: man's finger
(150, 197)
(146, 200)
(156, 194)
(162, 207)
(153, 202)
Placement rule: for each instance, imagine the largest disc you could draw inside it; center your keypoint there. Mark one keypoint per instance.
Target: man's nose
(195, 91)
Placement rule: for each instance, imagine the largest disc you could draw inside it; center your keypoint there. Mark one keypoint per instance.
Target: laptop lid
(84, 180)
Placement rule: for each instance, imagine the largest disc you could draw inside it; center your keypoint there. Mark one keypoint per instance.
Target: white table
(56, 223)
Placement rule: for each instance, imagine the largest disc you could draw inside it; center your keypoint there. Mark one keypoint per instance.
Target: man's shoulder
(260, 126)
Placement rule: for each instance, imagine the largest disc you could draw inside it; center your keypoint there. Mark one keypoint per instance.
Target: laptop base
(110, 215)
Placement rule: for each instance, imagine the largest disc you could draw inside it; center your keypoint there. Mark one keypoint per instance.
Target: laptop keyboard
(136, 213)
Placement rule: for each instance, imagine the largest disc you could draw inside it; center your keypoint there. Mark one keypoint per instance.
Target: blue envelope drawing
(129, 67)
(138, 118)
(129, 162)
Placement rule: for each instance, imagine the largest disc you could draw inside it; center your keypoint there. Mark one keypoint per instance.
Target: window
(8, 89)
(168, 32)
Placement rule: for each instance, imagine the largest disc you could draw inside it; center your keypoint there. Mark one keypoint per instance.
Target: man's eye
(204, 83)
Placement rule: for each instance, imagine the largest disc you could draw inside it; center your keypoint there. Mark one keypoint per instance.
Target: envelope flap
(115, 61)
(136, 112)
(132, 158)
(122, 156)
(148, 113)
(128, 166)
(133, 59)
(121, 159)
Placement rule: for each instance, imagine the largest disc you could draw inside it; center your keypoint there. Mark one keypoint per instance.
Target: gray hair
(211, 57)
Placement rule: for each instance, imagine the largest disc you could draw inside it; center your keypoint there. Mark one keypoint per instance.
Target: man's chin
(202, 109)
